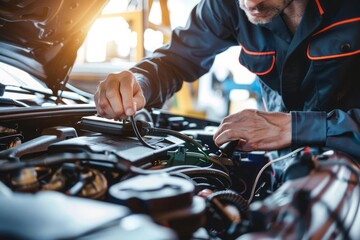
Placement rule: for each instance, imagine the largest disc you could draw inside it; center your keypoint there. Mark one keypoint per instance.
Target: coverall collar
(309, 23)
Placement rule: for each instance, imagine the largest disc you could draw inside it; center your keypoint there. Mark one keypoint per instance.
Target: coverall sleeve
(336, 130)
(189, 54)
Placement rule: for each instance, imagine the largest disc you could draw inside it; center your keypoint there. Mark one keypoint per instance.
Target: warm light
(108, 36)
(153, 39)
(115, 6)
(240, 99)
(239, 95)
(228, 61)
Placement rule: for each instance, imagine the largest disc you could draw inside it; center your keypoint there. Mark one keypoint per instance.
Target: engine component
(323, 205)
(128, 149)
(25, 180)
(300, 166)
(308, 196)
(9, 138)
(109, 126)
(225, 212)
(38, 144)
(52, 215)
(169, 200)
(91, 184)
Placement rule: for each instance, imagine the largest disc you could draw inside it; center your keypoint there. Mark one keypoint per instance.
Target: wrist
(308, 128)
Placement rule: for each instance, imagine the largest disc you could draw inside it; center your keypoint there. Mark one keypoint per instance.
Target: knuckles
(103, 104)
(119, 113)
(224, 127)
(111, 93)
(229, 134)
(122, 76)
(253, 145)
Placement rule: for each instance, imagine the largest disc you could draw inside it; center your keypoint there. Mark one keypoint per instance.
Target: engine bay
(66, 173)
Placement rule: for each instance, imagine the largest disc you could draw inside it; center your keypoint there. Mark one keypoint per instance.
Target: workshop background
(128, 30)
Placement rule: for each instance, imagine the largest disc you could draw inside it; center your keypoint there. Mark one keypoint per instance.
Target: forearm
(190, 53)
(159, 76)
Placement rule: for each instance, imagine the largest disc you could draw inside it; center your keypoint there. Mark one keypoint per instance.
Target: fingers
(139, 99)
(103, 106)
(256, 130)
(231, 132)
(126, 91)
(231, 127)
(118, 96)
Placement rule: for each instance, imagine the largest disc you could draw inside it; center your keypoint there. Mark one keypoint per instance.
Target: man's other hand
(255, 130)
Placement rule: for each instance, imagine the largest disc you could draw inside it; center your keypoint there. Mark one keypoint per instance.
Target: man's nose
(251, 4)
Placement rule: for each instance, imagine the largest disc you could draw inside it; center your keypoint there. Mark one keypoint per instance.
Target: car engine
(66, 173)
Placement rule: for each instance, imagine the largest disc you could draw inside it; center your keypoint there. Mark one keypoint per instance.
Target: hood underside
(42, 37)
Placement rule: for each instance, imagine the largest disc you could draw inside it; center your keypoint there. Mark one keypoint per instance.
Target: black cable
(136, 130)
(144, 115)
(342, 163)
(141, 171)
(184, 176)
(66, 157)
(161, 131)
(208, 172)
(149, 130)
(189, 170)
(202, 186)
(353, 170)
(217, 162)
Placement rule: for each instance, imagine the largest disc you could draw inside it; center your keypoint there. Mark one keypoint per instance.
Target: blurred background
(128, 30)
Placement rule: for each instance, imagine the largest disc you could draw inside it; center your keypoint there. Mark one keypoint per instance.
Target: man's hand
(119, 96)
(256, 130)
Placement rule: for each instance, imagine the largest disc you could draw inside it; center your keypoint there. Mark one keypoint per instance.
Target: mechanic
(305, 53)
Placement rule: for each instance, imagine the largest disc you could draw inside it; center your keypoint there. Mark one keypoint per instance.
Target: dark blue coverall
(314, 74)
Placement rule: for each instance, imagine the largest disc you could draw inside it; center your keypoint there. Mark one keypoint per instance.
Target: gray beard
(262, 7)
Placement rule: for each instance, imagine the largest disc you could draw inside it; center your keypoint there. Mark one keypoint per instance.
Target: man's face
(263, 11)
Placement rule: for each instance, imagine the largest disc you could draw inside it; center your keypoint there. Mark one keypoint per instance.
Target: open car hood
(42, 37)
